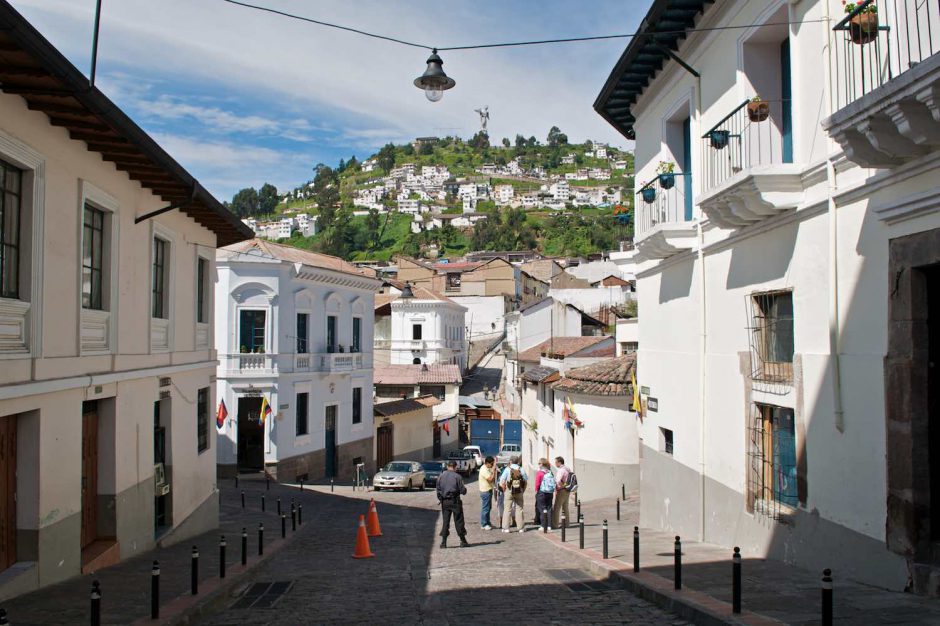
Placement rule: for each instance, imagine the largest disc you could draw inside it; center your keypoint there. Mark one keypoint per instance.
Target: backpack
(548, 483)
(572, 484)
(515, 483)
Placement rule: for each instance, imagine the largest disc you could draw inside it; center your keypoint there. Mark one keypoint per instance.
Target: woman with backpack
(544, 491)
(513, 482)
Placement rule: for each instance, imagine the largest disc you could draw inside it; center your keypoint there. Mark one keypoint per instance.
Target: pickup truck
(506, 453)
(464, 459)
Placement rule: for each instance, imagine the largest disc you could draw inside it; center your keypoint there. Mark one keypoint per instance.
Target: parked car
(477, 455)
(432, 471)
(506, 453)
(399, 475)
(464, 459)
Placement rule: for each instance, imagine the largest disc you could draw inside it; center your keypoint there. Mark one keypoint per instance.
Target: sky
(240, 97)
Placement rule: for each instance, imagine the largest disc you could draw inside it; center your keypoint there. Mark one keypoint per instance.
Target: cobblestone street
(513, 578)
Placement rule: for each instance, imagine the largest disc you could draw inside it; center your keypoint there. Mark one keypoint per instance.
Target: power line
(508, 44)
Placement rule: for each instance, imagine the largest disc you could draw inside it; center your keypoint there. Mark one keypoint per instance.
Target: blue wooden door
(786, 94)
(687, 166)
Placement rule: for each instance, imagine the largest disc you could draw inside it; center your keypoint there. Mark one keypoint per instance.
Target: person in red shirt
(543, 464)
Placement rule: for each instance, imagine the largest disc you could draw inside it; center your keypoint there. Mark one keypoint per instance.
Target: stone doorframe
(907, 526)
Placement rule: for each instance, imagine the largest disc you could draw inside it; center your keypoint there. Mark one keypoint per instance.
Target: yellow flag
(637, 406)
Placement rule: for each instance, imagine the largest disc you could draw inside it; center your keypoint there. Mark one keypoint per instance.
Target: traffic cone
(362, 541)
(372, 521)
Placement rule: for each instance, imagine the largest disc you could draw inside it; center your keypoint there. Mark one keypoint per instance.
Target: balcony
(664, 217)
(748, 167)
(885, 82)
(250, 364)
(335, 362)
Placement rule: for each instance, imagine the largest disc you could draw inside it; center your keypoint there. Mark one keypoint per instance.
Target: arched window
(416, 361)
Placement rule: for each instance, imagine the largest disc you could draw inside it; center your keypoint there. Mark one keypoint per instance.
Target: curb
(686, 603)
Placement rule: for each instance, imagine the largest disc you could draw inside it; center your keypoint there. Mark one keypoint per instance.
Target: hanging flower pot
(649, 194)
(758, 110)
(719, 139)
(667, 181)
(863, 28)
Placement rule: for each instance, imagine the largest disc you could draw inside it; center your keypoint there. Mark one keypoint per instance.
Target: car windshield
(511, 448)
(433, 466)
(459, 454)
(397, 467)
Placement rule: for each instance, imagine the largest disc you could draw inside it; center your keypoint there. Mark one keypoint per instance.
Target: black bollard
(544, 520)
(279, 505)
(95, 603)
(618, 509)
(283, 526)
(301, 484)
(604, 537)
(827, 597)
(636, 548)
(300, 514)
(331, 484)
(736, 581)
(262, 503)
(222, 557)
(564, 526)
(243, 498)
(244, 546)
(155, 591)
(260, 539)
(3, 618)
(577, 503)
(581, 531)
(677, 566)
(293, 517)
(623, 491)
(194, 572)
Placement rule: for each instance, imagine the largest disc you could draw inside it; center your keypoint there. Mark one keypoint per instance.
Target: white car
(477, 454)
(506, 453)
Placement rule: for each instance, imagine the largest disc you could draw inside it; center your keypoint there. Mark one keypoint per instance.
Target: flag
(446, 427)
(265, 410)
(220, 415)
(637, 407)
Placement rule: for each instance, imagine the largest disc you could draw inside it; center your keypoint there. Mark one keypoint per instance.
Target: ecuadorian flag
(265, 410)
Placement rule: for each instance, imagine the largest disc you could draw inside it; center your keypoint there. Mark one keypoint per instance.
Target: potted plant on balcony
(863, 27)
(648, 194)
(667, 177)
(718, 139)
(758, 110)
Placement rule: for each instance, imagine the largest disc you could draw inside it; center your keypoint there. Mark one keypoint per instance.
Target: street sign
(645, 390)
(652, 404)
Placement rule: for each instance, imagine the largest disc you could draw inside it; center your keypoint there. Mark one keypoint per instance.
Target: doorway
(383, 445)
(932, 365)
(8, 494)
(160, 515)
(437, 440)
(329, 445)
(89, 473)
(250, 435)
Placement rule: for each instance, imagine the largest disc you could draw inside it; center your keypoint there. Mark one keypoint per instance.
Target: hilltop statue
(484, 114)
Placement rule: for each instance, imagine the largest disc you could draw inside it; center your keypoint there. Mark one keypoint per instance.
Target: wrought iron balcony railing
(879, 40)
(666, 198)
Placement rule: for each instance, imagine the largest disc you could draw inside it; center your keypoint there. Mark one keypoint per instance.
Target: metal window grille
(772, 467)
(202, 419)
(11, 180)
(301, 414)
(771, 336)
(202, 293)
(159, 278)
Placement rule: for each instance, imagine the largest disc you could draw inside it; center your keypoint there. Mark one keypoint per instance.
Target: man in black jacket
(449, 489)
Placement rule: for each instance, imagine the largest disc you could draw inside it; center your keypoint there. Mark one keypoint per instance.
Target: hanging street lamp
(434, 81)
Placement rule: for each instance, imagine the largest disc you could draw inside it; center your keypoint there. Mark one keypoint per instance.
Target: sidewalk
(125, 587)
(772, 592)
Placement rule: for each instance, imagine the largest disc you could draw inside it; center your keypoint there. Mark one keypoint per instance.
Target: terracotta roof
(540, 374)
(405, 405)
(563, 346)
(605, 378)
(420, 293)
(456, 267)
(296, 255)
(435, 374)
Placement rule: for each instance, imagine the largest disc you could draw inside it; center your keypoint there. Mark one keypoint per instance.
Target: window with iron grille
(92, 258)
(302, 322)
(666, 441)
(160, 278)
(772, 464)
(202, 419)
(11, 182)
(357, 405)
(771, 336)
(302, 406)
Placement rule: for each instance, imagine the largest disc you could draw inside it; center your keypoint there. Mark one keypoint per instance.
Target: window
(435, 390)
(251, 330)
(92, 258)
(772, 472)
(331, 333)
(11, 182)
(302, 323)
(202, 419)
(665, 441)
(416, 332)
(357, 335)
(159, 296)
(772, 336)
(302, 407)
(202, 291)
(357, 405)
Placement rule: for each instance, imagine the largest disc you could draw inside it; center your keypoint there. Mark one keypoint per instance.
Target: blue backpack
(548, 483)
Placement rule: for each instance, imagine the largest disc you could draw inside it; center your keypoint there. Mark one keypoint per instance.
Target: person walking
(563, 484)
(543, 462)
(513, 482)
(545, 492)
(487, 479)
(449, 489)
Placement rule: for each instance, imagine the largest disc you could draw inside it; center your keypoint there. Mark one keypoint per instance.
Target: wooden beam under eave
(52, 107)
(96, 138)
(27, 72)
(79, 124)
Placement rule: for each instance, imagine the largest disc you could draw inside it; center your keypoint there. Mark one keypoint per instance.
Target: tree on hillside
(326, 194)
(408, 149)
(353, 164)
(480, 140)
(556, 137)
(245, 202)
(267, 199)
(386, 157)
(426, 149)
(373, 225)
(506, 142)
(533, 142)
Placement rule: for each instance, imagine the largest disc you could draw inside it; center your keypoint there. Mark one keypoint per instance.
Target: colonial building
(294, 331)
(786, 274)
(404, 430)
(107, 442)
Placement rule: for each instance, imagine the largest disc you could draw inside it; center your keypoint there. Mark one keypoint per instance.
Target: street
(517, 578)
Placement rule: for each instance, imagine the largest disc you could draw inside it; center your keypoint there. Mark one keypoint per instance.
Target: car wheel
(421, 487)
(409, 486)
(374, 488)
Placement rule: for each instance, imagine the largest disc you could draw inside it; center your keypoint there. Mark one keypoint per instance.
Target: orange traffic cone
(372, 521)
(362, 541)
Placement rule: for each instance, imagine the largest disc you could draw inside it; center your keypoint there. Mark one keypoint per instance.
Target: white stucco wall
(590, 300)
(443, 335)
(485, 314)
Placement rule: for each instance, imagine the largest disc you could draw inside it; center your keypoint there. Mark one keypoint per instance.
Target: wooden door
(436, 448)
(8, 493)
(383, 449)
(329, 446)
(89, 476)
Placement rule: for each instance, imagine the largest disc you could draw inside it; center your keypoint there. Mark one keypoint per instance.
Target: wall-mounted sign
(251, 393)
(645, 390)
(283, 406)
(652, 404)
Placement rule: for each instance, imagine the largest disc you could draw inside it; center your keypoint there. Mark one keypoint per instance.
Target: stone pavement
(771, 589)
(125, 587)
(503, 578)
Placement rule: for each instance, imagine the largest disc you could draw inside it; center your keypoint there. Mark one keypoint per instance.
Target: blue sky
(241, 98)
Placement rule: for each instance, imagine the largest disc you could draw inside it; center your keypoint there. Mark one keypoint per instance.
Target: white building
(568, 159)
(416, 326)
(307, 224)
(409, 205)
(469, 204)
(530, 201)
(786, 290)
(503, 194)
(599, 174)
(107, 442)
(295, 328)
(369, 166)
(560, 190)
